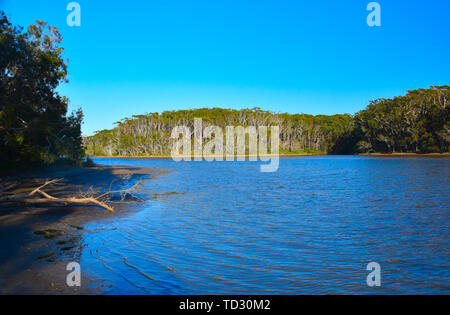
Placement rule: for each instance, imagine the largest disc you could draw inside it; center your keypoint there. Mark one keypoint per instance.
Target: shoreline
(405, 154)
(269, 156)
(38, 241)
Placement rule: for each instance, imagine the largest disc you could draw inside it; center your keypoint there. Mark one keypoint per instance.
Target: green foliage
(34, 126)
(150, 134)
(417, 122)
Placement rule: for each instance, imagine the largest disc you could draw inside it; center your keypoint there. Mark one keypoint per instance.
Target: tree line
(150, 134)
(34, 125)
(36, 128)
(417, 122)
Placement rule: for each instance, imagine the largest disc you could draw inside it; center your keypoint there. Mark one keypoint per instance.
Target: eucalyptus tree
(417, 122)
(34, 126)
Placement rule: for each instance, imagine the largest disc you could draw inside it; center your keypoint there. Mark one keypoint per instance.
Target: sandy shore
(38, 241)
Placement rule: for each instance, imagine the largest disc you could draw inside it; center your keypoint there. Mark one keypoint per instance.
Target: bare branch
(46, 183)
(73, 200)
(90, 197)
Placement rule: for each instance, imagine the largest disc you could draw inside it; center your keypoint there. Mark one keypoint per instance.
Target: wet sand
(38, 241)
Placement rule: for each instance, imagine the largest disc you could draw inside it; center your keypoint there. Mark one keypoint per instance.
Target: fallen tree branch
(42, 186)
(72, 200)
(123, 193)
(91, 197)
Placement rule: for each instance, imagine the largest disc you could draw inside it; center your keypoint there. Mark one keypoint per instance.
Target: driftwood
(47, 198)
(102, 200)
(73, 200)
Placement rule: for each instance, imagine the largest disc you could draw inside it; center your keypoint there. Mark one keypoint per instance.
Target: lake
(309, 228)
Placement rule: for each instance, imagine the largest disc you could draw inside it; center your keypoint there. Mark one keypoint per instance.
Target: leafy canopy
(34, 126)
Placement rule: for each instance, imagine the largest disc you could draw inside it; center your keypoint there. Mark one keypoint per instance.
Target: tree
(417, 122)
(34, 126)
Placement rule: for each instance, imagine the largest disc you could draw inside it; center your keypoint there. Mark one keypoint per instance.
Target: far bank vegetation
(417, 122)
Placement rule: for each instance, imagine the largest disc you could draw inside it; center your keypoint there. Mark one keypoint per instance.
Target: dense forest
(417, 122)
(34, 125)
(150, 134)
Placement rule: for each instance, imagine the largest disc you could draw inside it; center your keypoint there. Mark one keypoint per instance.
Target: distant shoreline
(184, 156)
(405, 154)
(269, 156)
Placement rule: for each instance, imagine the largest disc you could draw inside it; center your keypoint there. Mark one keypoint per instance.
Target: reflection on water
(311, 227)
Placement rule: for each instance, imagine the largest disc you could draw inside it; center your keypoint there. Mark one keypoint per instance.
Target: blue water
(311, 227)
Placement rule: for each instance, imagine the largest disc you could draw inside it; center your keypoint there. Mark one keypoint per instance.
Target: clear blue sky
(318, 57)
